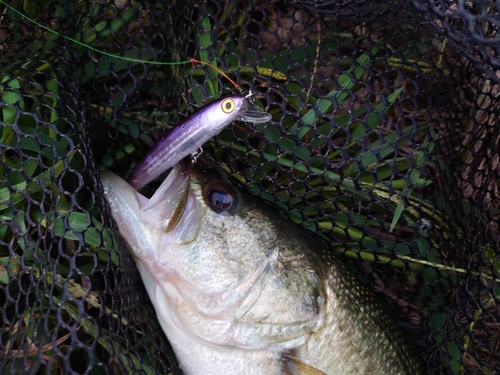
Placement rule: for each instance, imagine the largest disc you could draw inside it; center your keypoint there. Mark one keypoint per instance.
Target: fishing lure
(188, 137)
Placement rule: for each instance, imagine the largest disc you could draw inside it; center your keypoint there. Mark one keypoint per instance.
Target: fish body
(238, 291)
(189, 135)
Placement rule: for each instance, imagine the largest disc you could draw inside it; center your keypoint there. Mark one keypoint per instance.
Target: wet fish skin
(241, 292)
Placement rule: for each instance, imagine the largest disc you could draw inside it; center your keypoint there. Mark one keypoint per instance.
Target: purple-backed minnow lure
(187, 137)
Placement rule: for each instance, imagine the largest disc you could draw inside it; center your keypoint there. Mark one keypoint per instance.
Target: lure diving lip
(189, 135)
(257, 117)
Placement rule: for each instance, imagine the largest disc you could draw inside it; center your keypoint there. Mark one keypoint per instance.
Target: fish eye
(220, 197)
(227, 105)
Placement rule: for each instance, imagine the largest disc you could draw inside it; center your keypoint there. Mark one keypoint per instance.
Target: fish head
(233, 284)
(185, 221)
(213, 262)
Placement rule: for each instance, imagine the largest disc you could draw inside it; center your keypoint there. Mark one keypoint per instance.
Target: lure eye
(221, 197)
(227, 105)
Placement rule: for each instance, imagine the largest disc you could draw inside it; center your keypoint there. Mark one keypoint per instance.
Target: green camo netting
(384, 142)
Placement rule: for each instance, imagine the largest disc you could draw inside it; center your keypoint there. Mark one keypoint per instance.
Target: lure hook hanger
(195, 156)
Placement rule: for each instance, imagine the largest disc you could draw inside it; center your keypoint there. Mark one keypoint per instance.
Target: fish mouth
(170, 199)
(174, 208)
(171, 215)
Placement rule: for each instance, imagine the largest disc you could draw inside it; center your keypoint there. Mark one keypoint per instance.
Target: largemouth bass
(237, 290)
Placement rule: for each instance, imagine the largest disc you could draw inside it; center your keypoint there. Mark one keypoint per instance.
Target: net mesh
(384, 142)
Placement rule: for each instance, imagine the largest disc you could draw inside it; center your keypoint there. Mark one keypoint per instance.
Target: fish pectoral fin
(294, 366)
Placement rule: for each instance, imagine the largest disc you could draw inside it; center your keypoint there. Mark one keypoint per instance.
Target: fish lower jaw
(198, 356)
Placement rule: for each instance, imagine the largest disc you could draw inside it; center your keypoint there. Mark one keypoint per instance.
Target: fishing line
(129, 59)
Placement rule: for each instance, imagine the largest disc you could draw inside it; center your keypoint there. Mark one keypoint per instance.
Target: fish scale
(360, 330)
